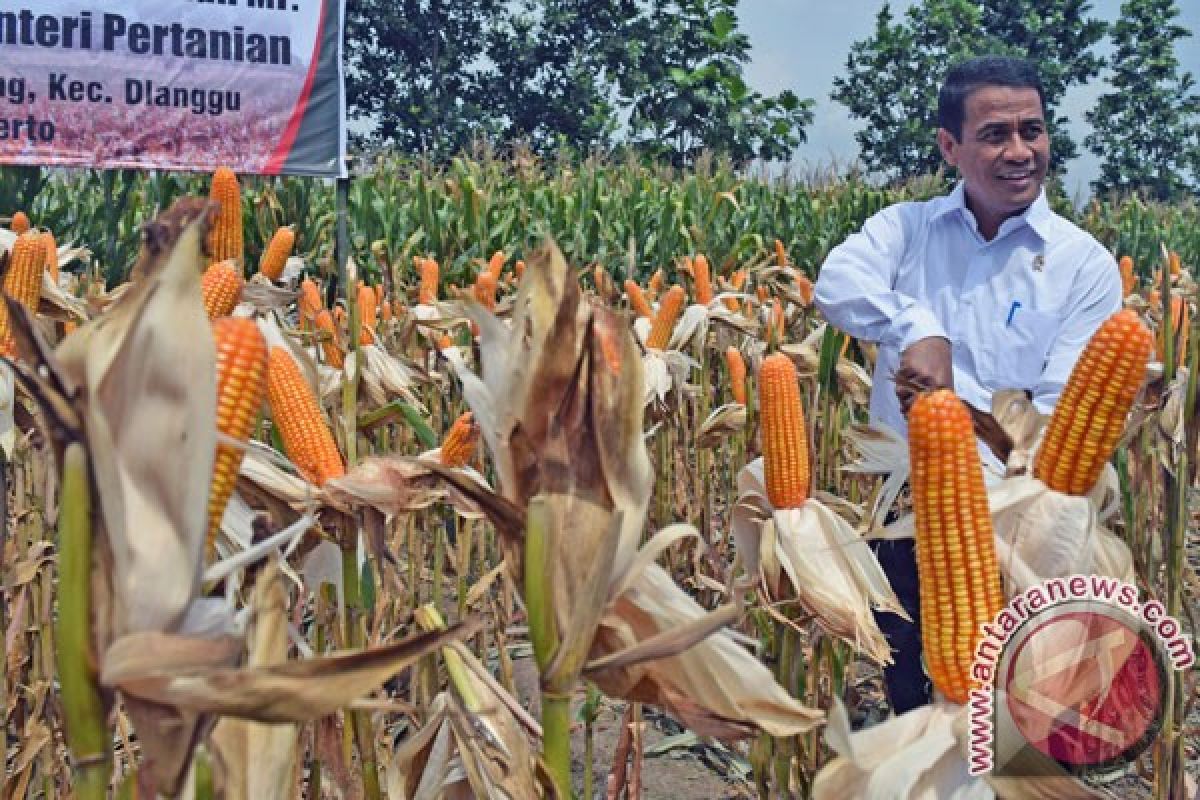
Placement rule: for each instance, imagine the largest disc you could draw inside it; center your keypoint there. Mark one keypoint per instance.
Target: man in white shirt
(983, 289)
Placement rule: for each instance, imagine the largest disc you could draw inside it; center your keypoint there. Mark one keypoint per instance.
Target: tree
(688, 95)
(413, 71)
(892, 78)
(1147, 129)
(891, 83)
(1059, 37)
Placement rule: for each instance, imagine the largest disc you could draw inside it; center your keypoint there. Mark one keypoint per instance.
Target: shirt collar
(1038, 216)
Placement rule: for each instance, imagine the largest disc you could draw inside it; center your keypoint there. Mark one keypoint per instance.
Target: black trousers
(908, 686)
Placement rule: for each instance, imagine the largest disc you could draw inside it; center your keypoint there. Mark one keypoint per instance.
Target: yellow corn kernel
(459, 445)
(784, 437)
(275, 257)
(737, 374)
(429, 282)
(1090, 415)
(637, 300)
(241, 390)
(222, 285)
(957, 568)
(225, 238)
(19, 223)
(306, 437)
(664, 321)
(330, 339)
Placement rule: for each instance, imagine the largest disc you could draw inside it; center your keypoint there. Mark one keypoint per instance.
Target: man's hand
(924, 365)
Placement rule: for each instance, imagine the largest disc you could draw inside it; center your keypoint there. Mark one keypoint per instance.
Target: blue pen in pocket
(1012, 311)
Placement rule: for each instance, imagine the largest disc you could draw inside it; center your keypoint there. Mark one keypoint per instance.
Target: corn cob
(241, 390)
(368, 314)
(51, 247)
(275, 257)
(496, 265)
(385, 308)
(1128, 279)
(1175, 264)
(22, 282)
(225, 239)
(762, 294)
(703, 277)
(637, 300)
(804, 287)
(1090, 415)
(294, 410)
(27, 261)
(655, 285)
(736, 282)
(309, 303)
(955, 546)
(519, 269)
(222, 286)
(1177, 325)
(664, 321)
(19, 223)
(444, 341)
(459, 445)
(777, 328)
(485, 290)
(737, 374)
(780, 254)
(429, 282)
(784, 438)
(330, 339)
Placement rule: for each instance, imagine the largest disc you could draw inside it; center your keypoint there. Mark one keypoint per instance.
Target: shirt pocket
(1016, 354)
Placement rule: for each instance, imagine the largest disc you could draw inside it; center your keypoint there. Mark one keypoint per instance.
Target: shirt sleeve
(1097, 297)
(854, 287)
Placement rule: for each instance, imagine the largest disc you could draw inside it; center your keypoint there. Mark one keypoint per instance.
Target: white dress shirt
(1017, 310)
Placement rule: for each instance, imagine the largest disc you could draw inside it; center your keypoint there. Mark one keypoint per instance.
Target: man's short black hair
(976, 73)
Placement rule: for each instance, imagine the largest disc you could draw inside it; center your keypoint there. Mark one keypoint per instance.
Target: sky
(802, 45)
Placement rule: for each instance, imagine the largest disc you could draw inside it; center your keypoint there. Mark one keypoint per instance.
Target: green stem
(86, 731)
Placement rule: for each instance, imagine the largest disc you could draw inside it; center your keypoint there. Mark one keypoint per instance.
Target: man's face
(1003, 153)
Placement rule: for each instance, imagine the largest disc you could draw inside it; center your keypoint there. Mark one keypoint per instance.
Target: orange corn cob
(51, 247)
(496, 265)
(1174, 263)
(485, 290)
(737, 374)
(27, 261)
(241, 390)
(459, 445)
(225, 239)
(444, 341)
(429, 282)
(736, 281)
(1090, 415)
(22, 282)
(780, 254)
(778, 325)
(664, 321)
(275, 257)
(222, 285)
(955, 546)
(309, 303)
(519, 269)
(1128, 279)
(703, 278)
(19, 223)
(805, 288)
(655, 285)
(368, 314)
(330, 340)
(637, 300)
(762, 294)
(784, 438)
(307, 440)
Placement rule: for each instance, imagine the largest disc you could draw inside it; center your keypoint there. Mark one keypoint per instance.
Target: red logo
(1085, 687)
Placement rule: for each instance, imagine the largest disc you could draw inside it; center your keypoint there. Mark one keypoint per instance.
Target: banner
(254, 85)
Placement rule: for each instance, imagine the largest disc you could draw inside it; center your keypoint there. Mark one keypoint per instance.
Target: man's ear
(948, 145)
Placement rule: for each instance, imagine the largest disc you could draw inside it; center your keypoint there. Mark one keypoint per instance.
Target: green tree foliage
(427, 75)
(892, 77)
(688, 94)
(1147, 129)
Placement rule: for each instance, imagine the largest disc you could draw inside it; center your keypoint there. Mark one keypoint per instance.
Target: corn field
(280, 527)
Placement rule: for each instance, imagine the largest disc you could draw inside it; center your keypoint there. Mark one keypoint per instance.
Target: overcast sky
(802, 44)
